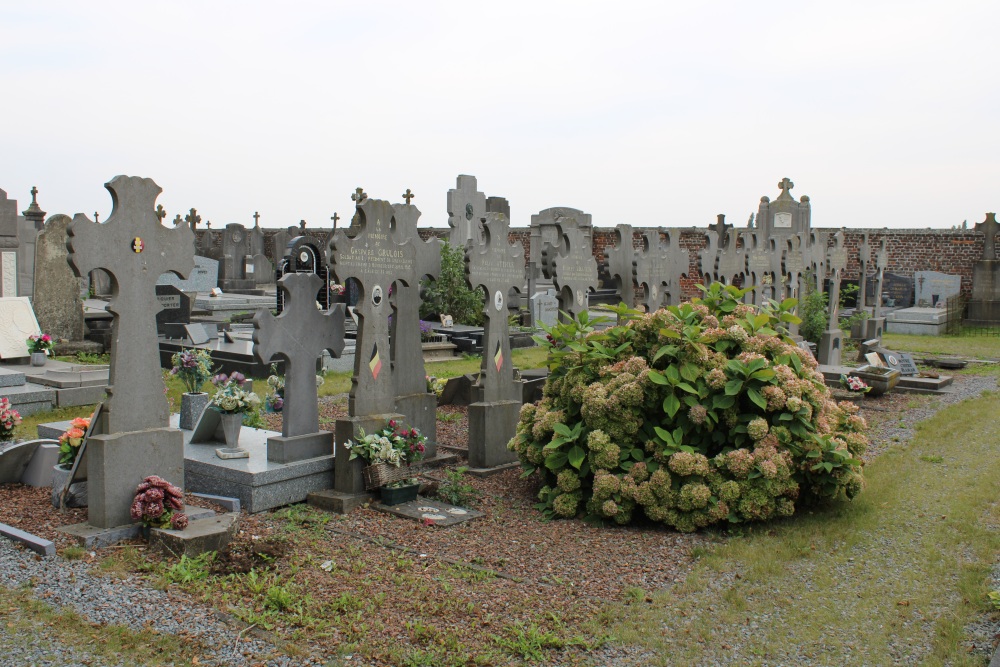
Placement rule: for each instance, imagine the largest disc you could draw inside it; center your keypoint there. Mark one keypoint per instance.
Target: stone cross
(864, 260)
(466, 207)
(135, 249)
(497, 267)
(881, 264)
(161, 212)
(335, 218)
(256, 219)
(177, 219)
(723, 258)
(407, 354)
(721, 228)
(836, 263)
(786, 186)
(574, 271)
(621, 260)
(359, 196)
(375, 261)
(652, 270)
(298, 337)
(678, 262)
(989, 228)
(408, 195)
(192, 218)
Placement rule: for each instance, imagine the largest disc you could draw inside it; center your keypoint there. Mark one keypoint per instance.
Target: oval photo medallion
(304, 256)
(498, 300)
(377, 295)
(579, 297)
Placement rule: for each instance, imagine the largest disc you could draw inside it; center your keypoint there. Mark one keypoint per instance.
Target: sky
(646, 113)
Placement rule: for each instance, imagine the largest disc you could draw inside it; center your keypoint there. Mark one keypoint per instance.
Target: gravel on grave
(511, 540)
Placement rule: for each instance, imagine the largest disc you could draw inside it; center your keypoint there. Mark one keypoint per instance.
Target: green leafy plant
(696, 414)
(449, 294)
(814, 314)
(455, 489)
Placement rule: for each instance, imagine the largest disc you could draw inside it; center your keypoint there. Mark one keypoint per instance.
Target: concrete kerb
(37, 544)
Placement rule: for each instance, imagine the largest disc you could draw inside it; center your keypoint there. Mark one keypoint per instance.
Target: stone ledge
(201, 536)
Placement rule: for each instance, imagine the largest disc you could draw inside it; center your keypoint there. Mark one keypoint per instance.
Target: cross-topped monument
(786, 185)
(621, 258)
(298, 337)
(677, 260)
(652, 270)
(989, 228)
(358, 197)
(574, 271)
(408, 376)
(135, 441)
(497, 267)
(830, 345)
(466, 206)
(408, 195)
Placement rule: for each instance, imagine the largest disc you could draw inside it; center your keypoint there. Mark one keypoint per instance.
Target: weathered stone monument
(653, 270)
(466, 207)
(28, 225)
(874, 326)
(375, 261)
(303, 255)
(571, 266)
(298, 337)
(498, 268)
(933, 288)
(9, 244)
(724, 257)
(134, 438)
(263, 270)
(828, 352)
(236, 272)
(621, 259)
(984, 306)
(56, 299)
(408, 377)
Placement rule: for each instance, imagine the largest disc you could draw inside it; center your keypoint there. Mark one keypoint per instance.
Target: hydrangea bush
(692, 415)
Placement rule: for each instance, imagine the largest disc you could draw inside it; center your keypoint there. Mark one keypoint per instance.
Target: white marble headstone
(17, 322)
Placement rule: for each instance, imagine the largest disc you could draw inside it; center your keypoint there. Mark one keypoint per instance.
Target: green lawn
(975, 347)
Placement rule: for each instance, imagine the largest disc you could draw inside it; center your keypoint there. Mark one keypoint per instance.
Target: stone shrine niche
(545, 233)
(784, 216)
(236, 270)
(8, 246)
(304, 255)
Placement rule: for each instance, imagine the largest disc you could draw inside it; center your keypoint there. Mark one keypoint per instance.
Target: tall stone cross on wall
(621, 260)
(989, 227)
(408, 377)
(298, 336)
(574, 270)
(135, 249)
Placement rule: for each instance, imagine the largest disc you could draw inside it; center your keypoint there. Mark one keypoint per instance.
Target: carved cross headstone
(375, 261)
(836, 263)
(881, 264)
(574, 271)
(864, 261)
(723, 258)
(135, 249)
(466, 207)
(408, 195)
(298, 336)
(652, 270)
(497, 267)
(621, 260)
(989, 228)
(678, 263)
(786, 186)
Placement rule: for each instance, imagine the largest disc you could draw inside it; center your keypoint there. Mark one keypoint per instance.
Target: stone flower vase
(77, 496)
(192, 405)
(232, 422)
(37, 358)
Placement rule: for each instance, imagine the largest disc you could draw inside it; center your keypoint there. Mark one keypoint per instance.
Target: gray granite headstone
(197, 333)
(8, 246)
(236, 258)
(57, 303)
(408, 375)
(298, 336)
(724, 258)
(27, 235)
(134, 439)
(907, 366)
(175, 306)
(466, 207)
(498, 268)
(573, 271)
(545, 309)
(545, 234)
(830, 345)
(933, 288)
(203, 278)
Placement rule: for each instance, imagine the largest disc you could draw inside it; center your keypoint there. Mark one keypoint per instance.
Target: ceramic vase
(37, 358)
(192, 405)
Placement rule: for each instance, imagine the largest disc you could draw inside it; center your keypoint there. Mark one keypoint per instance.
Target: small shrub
(450, 294)
(455, 489)
(814, 314)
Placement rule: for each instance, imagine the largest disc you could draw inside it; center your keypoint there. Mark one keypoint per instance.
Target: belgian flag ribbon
(498, 357)
(375, 363)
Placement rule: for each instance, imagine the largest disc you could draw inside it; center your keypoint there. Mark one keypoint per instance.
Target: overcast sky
(653, 113)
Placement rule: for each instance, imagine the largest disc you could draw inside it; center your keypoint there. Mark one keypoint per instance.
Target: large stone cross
(652, 270)
(135, 249)
(723, 257)
(466, 207)
(497, 267)
(298, 336)
(864, 262)
(375, 261)
(836, 263)
(621, 260)
(786, 186)
(574, 270)
(678, 262)
(989, 228)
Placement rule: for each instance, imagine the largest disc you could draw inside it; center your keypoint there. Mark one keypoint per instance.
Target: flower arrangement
(40, 343)
(337, 290)
(194, 367)
(71, 439)
(394, 445)
(9, 419)
(427, 331)
(158, 503)
(231, 397)
(435, 385)
(854, 384)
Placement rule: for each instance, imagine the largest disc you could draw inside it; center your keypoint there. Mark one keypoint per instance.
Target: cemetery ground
(901, 575)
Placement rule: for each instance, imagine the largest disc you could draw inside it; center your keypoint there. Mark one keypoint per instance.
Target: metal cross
(256, 219)
(408, 195)
(359, 196)
(96, 217)
(335, 218)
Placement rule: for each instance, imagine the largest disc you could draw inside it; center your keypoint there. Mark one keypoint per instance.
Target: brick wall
(953, 251)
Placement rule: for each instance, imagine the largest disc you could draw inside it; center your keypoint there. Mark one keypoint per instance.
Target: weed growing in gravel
(454, 489)
(932, 459)
(188, 570)
(448, 417)
(74, 553)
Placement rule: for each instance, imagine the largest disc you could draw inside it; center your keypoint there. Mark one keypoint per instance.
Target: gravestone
(724, 257)
(263, 270)
(56, 300)
(652, 270)
(832, 340)
(875, 325)
(573, 270)
(298, 336)
(203, 277)
(545, 233)
(896, 291)
(409, 378)
(175, 306)
(677, 260)
(545, 309)
(466, 207)
(984, 306)
(498, 268)
(375, 261)
(907, 366)
(17, 322)
(934, 288)
(620, 260)
(9, 245)
(303, 255)
(236, 265)
(133, 438)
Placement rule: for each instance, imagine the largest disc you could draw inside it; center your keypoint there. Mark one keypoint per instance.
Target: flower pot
(232, 422)
(77, 496)
(881, 380)
(192, 405)
(400, 494)
(37, 358)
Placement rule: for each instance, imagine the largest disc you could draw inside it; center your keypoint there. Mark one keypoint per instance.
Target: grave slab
(39, 471)
(201, 536)
(15, 457)
(94, 537)
(10, 377)
(424, 509)
(17, 322)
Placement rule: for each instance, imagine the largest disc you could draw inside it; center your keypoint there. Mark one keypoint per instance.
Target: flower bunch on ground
(193, 367)
(692, 415)
(854, 383)
(9, 419)
(231, 397)
(435, 385)
(40, 343)
(395, 445)
(158, 504)
(71, 439)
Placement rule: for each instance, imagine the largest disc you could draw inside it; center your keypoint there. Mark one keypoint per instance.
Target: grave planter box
(399, 494)
(881, 380)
